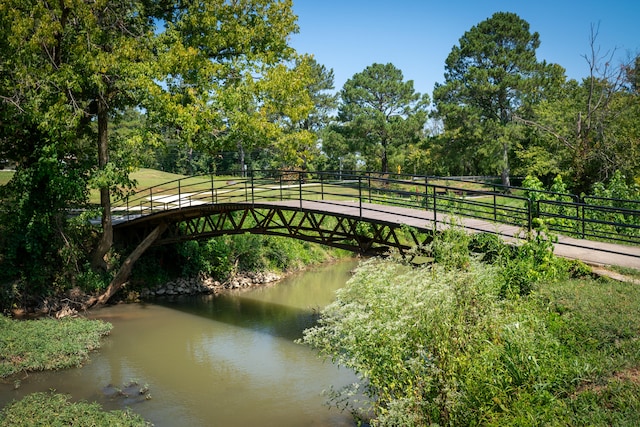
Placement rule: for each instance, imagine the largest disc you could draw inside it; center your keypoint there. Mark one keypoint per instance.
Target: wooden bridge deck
(591, 252)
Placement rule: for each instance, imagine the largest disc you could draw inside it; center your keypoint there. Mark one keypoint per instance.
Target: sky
(416, 36)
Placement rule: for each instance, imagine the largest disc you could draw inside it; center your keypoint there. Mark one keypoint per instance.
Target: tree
(203, 69)
(591, 127)
(324, 101)
(70, 66)
(490, 78)
(226, 70)
(380, 111)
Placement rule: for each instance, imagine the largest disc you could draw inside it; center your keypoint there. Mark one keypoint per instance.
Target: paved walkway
(598, 254)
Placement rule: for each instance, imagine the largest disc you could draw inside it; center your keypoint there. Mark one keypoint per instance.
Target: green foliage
(40, 247)
(617, 187)
(53, 409)
(450, 248)
(47, 343)
(210, 257)
(257, 253)
(491, 78)
(557, 208)
(514, 342)
(489, 246)
(380, 113)
(223, 256)
(531, 262)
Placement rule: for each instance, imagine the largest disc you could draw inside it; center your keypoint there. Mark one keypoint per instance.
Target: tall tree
(67, 68)
(325, 102)
(380, 111)
(225, 69)
(489, 79)
(320, 88)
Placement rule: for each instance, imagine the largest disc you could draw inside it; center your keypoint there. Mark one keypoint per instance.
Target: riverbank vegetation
(223, 257)
(50, 344)
(47, 343)
(513, 337)
(53, 409)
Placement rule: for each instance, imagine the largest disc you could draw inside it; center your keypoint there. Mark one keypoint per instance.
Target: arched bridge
(367, 213)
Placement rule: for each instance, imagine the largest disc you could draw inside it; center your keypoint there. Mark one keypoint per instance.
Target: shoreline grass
(47, 344)
(54, 409)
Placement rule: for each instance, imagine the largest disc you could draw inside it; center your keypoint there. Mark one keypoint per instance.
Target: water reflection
(215, 361)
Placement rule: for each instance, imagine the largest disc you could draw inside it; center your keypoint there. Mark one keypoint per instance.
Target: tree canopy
(381, 111)
(207, 73)
(590, 128)
(490, 78)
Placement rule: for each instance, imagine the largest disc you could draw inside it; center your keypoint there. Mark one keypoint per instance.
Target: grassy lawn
(53, 409)
(5, 176)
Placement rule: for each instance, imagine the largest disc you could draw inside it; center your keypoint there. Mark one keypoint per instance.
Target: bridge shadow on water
(241, 310)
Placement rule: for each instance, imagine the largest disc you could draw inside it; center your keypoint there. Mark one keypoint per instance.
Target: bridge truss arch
(343, 227)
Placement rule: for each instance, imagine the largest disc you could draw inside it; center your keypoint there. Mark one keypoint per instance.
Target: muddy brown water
(212, 361)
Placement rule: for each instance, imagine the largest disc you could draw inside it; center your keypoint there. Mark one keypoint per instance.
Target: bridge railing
(588, 217)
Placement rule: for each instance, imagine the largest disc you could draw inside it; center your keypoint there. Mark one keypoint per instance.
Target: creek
(228, 360)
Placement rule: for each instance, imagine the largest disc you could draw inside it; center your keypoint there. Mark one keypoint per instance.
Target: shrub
(472, 343)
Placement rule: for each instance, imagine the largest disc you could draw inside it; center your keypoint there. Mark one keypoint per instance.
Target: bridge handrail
(482, 200)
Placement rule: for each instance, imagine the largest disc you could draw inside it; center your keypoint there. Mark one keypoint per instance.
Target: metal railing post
(576, 200)
(150, 199)
(435, 211)
(253, 197)
(583, 222)
(360, 194)
(426, 193)
(213, 190)
(179, 196)
(281, 199)
(300, 188)
(321, 186)
(369, 185)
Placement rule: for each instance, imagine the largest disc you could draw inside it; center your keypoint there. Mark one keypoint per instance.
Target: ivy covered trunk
(106, 241)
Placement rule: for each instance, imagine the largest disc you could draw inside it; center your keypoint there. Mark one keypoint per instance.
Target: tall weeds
(504, 341)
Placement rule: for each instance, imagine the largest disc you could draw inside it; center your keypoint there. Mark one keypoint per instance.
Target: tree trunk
(125, 270)
(106, 241)
(385, 159)
(506, 181)
(241, 159)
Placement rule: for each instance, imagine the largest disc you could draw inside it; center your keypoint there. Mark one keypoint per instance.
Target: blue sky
(417, 35)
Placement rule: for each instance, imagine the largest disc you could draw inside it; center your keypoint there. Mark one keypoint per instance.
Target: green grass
(52, 409)
(5, 176)
(44, 344)
(151, 177)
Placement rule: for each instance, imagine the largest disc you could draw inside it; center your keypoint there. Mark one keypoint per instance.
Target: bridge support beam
(125, 270)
